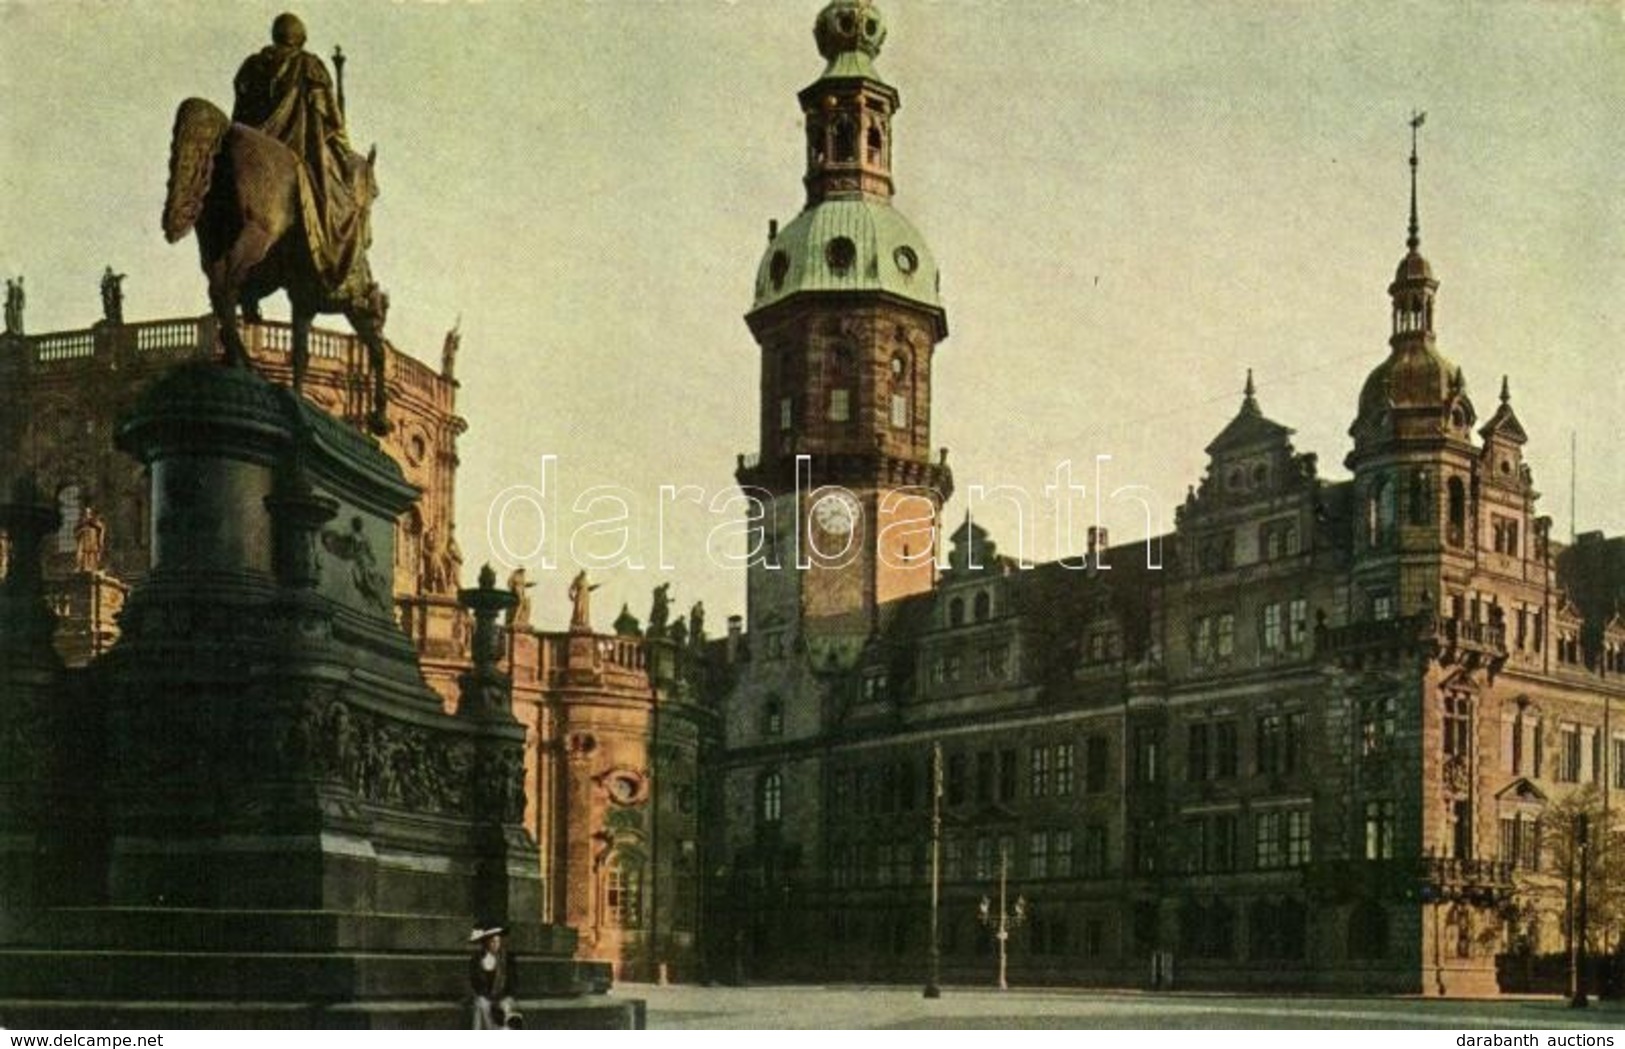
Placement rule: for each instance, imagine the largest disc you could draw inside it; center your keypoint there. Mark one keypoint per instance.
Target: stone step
(223, 976)
(191, 929)
(450, 1014)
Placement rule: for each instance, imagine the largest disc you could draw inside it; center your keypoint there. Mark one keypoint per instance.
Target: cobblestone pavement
(874, 1008)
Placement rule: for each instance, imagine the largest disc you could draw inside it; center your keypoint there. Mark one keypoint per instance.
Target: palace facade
(1317, 736)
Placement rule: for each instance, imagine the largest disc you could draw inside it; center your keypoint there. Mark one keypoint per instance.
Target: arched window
(1421, 497)
(770, 797)
(876, 144)
(623, 892)
(1458, 512)
(956, 612)
(815, 143)
(846, 140)
(984, 606)
(1380, 513)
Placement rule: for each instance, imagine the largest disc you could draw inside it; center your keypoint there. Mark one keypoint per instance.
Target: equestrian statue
(280, 202)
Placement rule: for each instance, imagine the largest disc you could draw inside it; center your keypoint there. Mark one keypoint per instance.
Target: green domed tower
(847, 313)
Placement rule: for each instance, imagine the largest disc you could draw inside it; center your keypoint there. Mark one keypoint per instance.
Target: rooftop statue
(293, 209)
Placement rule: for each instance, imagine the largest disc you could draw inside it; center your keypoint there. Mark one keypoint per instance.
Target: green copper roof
(848, 245)
(850, 64)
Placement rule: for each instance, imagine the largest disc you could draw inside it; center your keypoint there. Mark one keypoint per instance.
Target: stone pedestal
(31, 677)
(266, 806)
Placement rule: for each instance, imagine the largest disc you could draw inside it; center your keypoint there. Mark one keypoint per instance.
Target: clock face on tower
(837, 513)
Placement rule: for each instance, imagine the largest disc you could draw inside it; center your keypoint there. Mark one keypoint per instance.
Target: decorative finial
(1250, 390)
(1414, 241)
(847, 26)
(1506, 391)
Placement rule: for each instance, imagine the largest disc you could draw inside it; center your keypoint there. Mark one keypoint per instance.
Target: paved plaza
(878, 1008)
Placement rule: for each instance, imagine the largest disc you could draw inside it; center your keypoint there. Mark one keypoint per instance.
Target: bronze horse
(240, 189)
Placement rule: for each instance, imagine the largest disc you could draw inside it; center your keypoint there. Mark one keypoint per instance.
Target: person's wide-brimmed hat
(480, 933)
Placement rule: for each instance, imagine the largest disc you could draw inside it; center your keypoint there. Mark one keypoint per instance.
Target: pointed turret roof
(1250, 426)
(1504, 423)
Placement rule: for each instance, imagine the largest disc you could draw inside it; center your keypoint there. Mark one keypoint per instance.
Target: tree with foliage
(1605, 852)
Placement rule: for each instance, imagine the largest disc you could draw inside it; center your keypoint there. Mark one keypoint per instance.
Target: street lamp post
(1582, 835)
(933, 983)
(1006, 919)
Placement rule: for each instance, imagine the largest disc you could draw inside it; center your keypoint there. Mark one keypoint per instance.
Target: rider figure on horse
(286, 92)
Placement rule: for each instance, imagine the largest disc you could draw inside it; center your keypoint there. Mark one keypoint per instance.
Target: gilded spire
(1414, 241)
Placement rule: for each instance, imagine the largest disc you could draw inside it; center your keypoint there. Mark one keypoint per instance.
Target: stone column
(507, 867)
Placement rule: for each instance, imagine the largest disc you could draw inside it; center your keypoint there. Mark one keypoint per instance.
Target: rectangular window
(899, 411)
(984, 777)
(1520, 842)
(1224, 750)
(1568, 754)
(1280, 742)
(1097, 774)
(883, 863)
(1197, 768)
(1147, 745)
(1379, 830)
(1273, 634)
(1225, 643)
(1504, 535)
(1297, 838)
(1007, 775)
(1618, 774)
(1268, 839)
(953, 859)
(1221, 841)
(1298, 622)
(1270, 743)
(1202, 640)
(1038, 854)
(840, 406)
(1061, 853)
(786, 413)
(986, 865)
(1143, 845)
(1382, 606)
(1038, 772)
(1063, 769)
(1457, 727)
(1376, 726)
(1196, 848)
(1094, 850)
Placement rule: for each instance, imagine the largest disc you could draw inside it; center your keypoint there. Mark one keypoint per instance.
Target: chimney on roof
(736, 629)
(1098, 541)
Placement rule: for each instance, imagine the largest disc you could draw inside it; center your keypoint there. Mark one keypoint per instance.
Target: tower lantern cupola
(849, 108)
(1413, 288)
(1416, 392)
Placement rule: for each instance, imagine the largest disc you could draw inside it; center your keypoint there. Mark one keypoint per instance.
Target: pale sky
(1132, 203)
